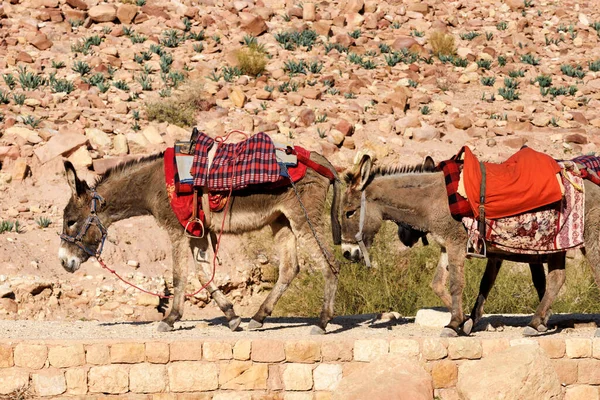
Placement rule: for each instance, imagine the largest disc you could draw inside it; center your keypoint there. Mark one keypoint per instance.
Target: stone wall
(254, 368)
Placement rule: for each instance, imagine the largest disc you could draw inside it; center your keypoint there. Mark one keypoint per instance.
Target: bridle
(91, 220)
(361, 224)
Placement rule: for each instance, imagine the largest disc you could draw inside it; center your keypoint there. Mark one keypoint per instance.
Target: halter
(92, 219)
(361, 224)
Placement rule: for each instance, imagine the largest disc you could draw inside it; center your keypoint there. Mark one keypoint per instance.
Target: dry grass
(402, 284)
(180, 109)
(252, 60)
(442, 44)
(18, 394)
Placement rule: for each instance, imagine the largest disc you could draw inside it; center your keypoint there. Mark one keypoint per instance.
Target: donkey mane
(121, 167)
(387, 170)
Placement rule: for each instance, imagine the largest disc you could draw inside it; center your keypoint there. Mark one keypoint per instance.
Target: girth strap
(481, 221)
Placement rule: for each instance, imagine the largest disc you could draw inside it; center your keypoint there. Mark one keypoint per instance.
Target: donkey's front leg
(179, 248)
(456, 263)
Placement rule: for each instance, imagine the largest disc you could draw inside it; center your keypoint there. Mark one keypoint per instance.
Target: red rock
(126, 13)
(140, 18)
(307, 116)
(103, 13)
(78, 4)
(253, 24)
(41, 42)
(155, 11)
(58, 145)
(101, 165)
(24, 57)
(576, 138)
(11, 152)
(404, 42)
(344, 39)
(345, 127)
(515, 142)
(322, 27)
(191, 12)
(9, 305)
(96, 101)
(462, 123)
(75, 15)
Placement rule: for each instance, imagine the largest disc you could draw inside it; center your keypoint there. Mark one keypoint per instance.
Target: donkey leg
(591, 237)
(201, 259)
(288, 269)
(179, 248)
(555, 281)
(438, 284)
(538, 277)
(456, 262)
(487, 282)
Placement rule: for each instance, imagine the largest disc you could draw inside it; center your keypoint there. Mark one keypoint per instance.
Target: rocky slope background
(97, 83)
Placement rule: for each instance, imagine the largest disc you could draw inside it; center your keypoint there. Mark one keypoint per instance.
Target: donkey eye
(349, 214)
(71, 224)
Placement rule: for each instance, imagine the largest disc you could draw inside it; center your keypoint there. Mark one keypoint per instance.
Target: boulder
(253, 24)
(520, 372)
(126, 13)
(432, 318)
(41, 42)
(59, 144)
(391, 376)
(78, 4)
(103, 13)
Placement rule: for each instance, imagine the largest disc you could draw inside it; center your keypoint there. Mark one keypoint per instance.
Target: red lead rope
(218, 139)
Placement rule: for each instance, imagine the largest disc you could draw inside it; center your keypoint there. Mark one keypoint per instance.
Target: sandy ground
(348, 327)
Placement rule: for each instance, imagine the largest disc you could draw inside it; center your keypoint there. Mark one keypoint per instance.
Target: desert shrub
(179, 109)
(251, 60)
(442, 44)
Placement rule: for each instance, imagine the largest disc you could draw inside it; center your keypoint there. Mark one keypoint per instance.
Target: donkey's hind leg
(179, 248)
(591, 237)
(487, 282)
(201, 259)
(554, 282)
(288, 269)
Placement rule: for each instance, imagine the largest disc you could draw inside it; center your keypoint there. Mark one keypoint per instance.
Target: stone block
(444, 374)
(6, 356)
(302, 351)
(405, 347)
(189, 376)
(12, 379)
(97, 354)
(213, 351)
(524, 341)
(127, 353)
(157, 352)
(76, 381)
(554, 348)
(578, 347)
(327, 376)
(434, 349)
(589, 371)
(49, 382)
(186, 351)
(369, 349)
(566, 370)
(66, 356)
(582, 392)
(596, 347)
(464, 348)
(110, 379)
(340, 350)
(491, 346)
(147, 378)
(32, 356)
(298, 377)
(267, 351)
(241, 349)
(243, 375)
(59, 144)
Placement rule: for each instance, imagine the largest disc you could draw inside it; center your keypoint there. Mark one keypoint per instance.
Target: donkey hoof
(234, 324)
(254, 325)
(317, 330)
(467, 327)
(530, 331)
(448, 332)
(164, 327)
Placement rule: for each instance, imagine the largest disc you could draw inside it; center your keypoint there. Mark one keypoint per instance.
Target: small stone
(152, 134)
(237, 96)
(462, 123)
(102, 13)
(307, 117)
(120, 145)
(20, 170)
(541, 120)
(309, 12)
(78, 4)
(126, 13)
(253, 24)
(41, 42)
(81, 158)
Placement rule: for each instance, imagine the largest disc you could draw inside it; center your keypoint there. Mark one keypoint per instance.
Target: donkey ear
(77, 187)
(428, 164)
(365, 165)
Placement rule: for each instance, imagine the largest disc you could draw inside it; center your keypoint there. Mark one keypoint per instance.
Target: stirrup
(472, 250)
(194, 221)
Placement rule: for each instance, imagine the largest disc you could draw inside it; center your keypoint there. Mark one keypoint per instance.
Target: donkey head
(75, 224)
(362, 216)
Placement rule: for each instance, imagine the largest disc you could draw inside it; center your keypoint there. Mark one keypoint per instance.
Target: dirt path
(350, 327)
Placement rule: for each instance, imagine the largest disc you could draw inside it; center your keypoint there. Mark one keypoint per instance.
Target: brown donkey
(418, 198)
(138, 188)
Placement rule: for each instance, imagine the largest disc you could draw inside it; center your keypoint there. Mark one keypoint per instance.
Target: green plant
(573, 71)
(31, 121)
(294, 67)
(264, 105)
(355, 58)
(425, 110)
(93, 40)
(19, 98)
(157, 49)
(355, 34)
(269, 88)
(528, 3)
(596, 26)
(145, 80)
(135, 114)
(543, 80)
(384, 48)
(530, 59)
(484, 64)
(81, 47)
(81, 67)
(502, 25)
(322, 133)
(9, 79)
(165, 62)
(103, 87)
(396, 25)
(501, 61)
(137, 38)
(198, 48)
(214, 76)
(136, 126)
(511, 83)
(128, 31)
(58, 64)
(30, 80)
(179, 109)
(594, 66)
(216, 38)
(469, 35)
(315, 67)
(121, 85)
(412, 84)
(554, 122)
(164, 92)
(442, 44)
(43, 222)
(489, 36)
(4, 98)
(519, 73)
(106, 30)
(509, 94)
(140, 3)
(171, 38)
(75, 23)
(321, 118)
(62, 86)
(187, 24)
(6, 226)
(488, 80)
(292, 40)
(230, 73)
(417, 33)
(334, 46)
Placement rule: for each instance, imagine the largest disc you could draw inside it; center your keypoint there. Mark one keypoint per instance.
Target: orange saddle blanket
(524, 182)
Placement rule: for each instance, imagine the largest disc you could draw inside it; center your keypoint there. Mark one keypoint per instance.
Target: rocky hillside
(100, 82)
